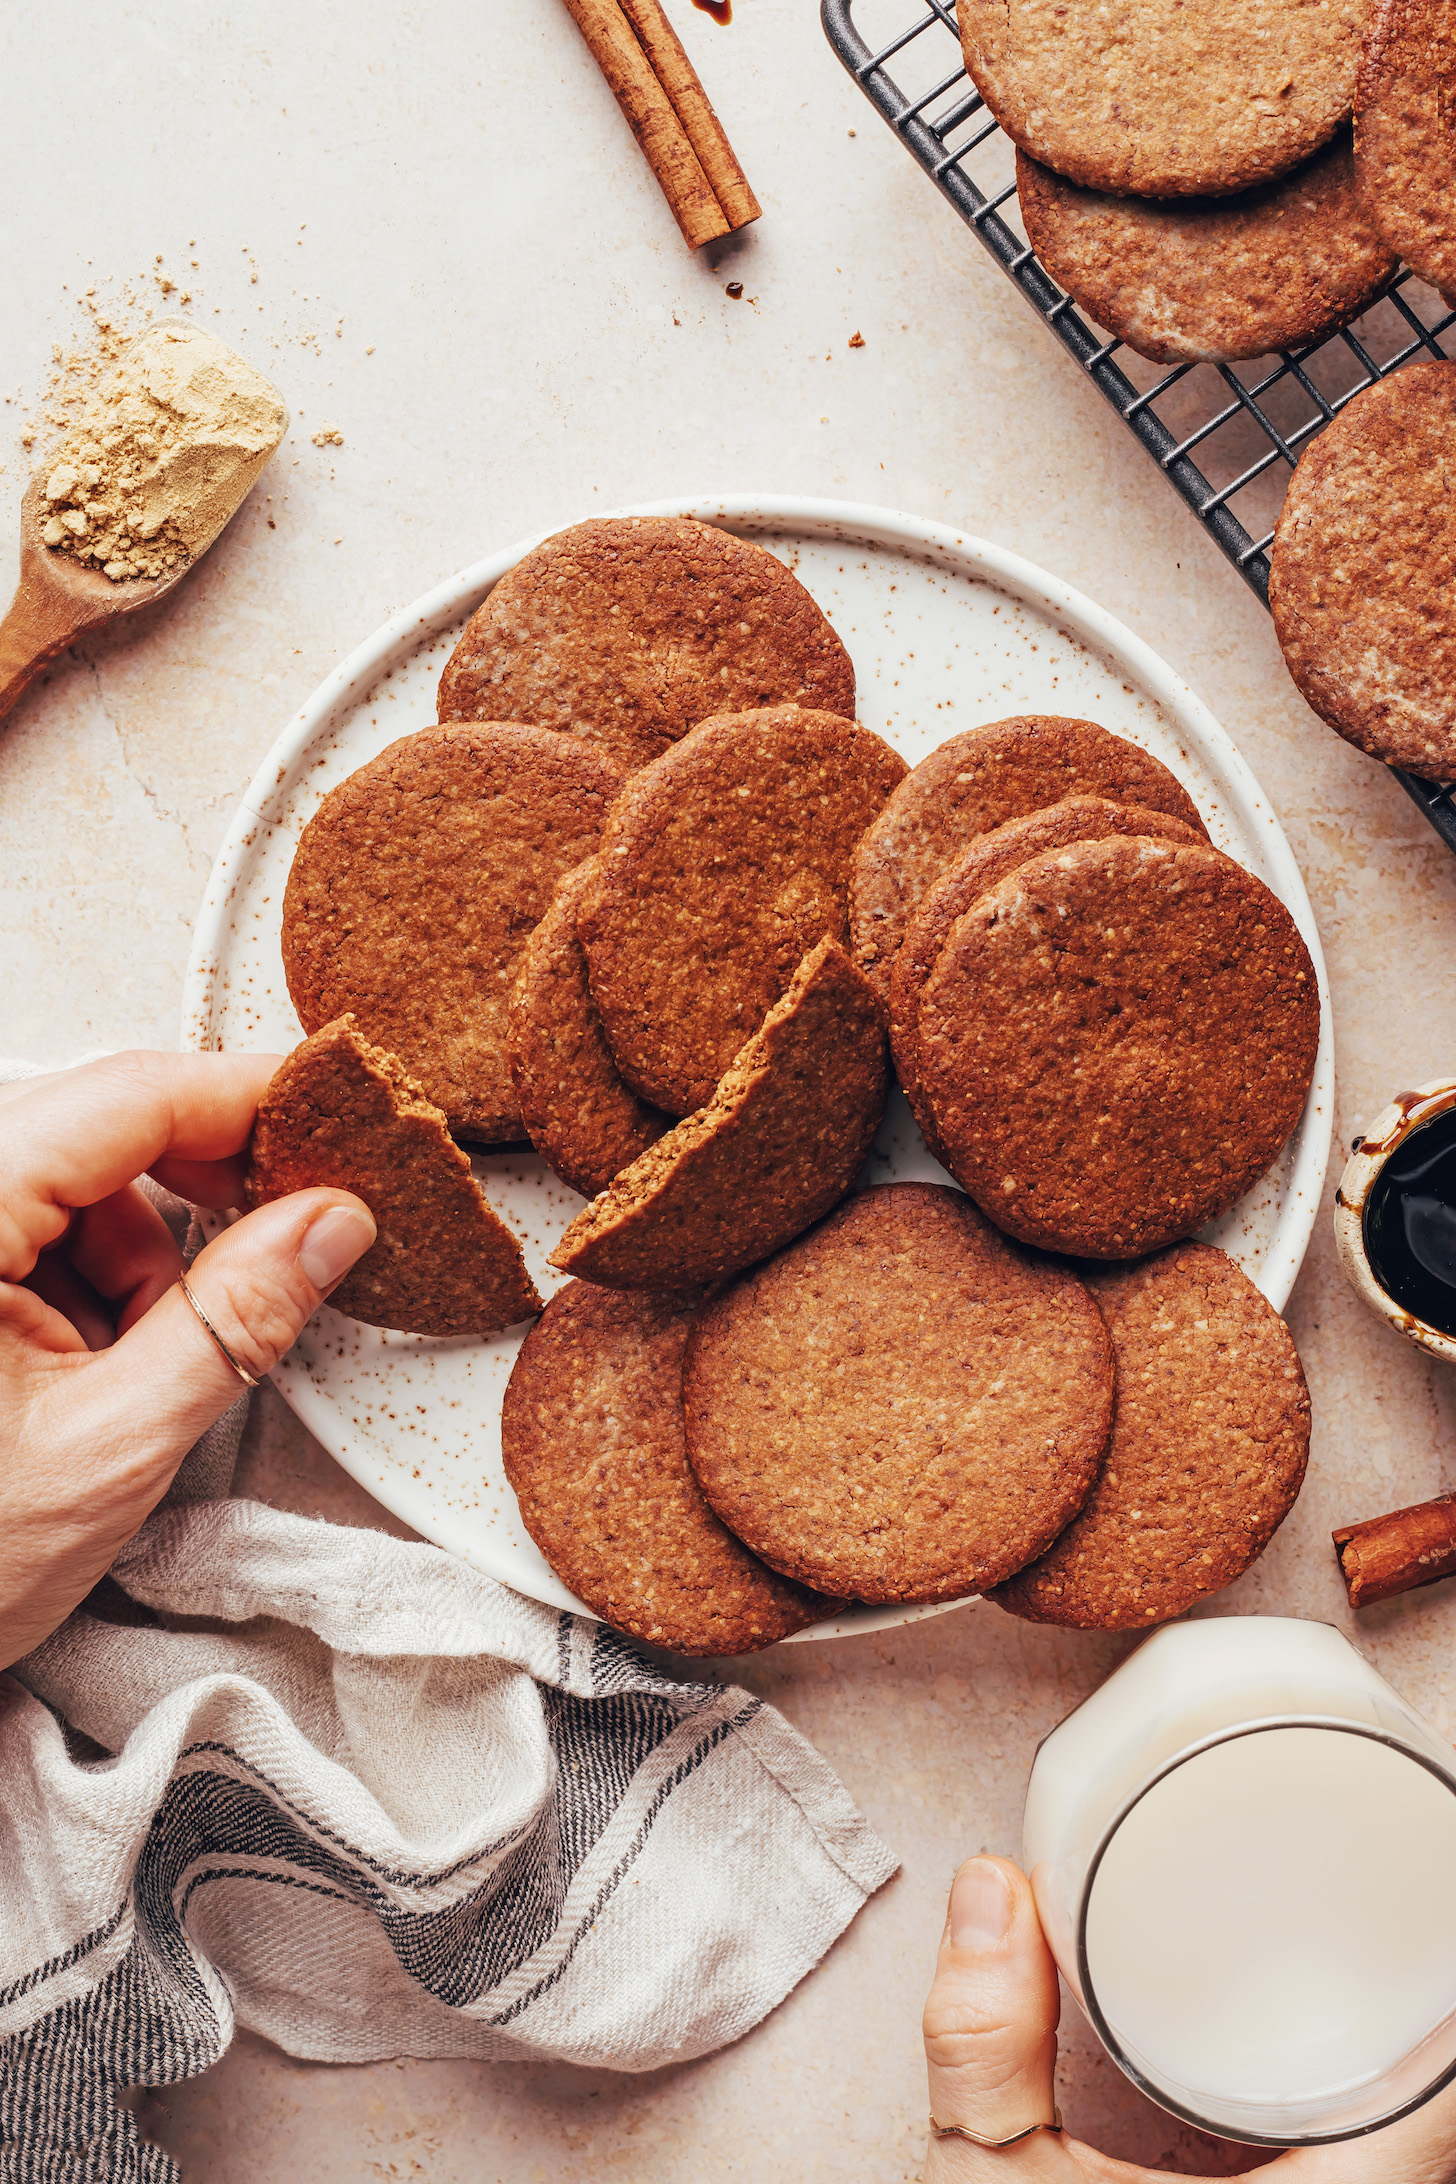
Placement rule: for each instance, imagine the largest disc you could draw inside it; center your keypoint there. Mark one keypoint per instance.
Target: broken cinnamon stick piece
(653, 119)
(1396, 1553)
(680, 80)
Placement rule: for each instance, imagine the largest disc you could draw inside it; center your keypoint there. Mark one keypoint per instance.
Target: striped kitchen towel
(344, 1790)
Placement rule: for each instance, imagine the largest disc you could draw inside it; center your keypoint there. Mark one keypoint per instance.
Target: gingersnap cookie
(724, 863)
(1210, 1435)
(783, 1137)
(578, 1113)
(988, 861)
(1116, 1042)
(968, 785)
(1210, 279)
(1405, 152)
(902, 1406)
(631, 629)
(416, 886)
(344, 1113)
(1166, 98)
(593, 1443)
(1362, 575)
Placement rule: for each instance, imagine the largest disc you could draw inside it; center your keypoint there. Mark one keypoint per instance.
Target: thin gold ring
(994, 2145)
(241, 1370)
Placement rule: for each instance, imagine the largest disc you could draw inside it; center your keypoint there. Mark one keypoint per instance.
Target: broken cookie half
(345, 1114)
(779, 1143)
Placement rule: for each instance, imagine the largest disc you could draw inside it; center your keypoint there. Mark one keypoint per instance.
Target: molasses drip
(720, 10)
(1410, 1224)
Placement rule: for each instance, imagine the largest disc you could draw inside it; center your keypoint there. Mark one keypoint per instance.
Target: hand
(107, 1376)
(991, 2047)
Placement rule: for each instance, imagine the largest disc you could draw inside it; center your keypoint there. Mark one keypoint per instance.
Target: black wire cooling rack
(1246, 424)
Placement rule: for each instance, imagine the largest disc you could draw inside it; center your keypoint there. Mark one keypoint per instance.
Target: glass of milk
(1243, 1849)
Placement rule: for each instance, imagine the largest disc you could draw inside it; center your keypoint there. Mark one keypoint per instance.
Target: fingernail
(332, 1243)
(980, 1906)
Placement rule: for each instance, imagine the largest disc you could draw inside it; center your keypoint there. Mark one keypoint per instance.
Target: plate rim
(403, 632)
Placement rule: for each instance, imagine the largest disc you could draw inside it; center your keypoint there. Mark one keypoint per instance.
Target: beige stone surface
(452, 189)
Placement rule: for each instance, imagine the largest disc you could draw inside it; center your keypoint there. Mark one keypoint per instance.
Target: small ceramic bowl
(1406, 1112)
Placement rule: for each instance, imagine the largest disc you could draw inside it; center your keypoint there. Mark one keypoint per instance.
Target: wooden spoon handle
(40, 625)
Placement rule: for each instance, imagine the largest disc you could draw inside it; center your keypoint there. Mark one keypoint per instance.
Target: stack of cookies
(650, 899)
(1191, 176)
(1189, 173)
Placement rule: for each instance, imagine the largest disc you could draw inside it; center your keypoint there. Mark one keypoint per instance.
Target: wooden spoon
(59, 597)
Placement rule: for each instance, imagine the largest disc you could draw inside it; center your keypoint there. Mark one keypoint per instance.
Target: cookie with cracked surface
(723, 864)
(416, 886)
(1210, 1436)
(902, 1406)
(1116, 1042)
(345, 1113)
(593, 1443)
(969, 784)
(1362, 576)
(1405, 133)
(1211, 279)
(580, 1116)
(988, 861)
(629, 630)
(1166, 98)
(783, 1137)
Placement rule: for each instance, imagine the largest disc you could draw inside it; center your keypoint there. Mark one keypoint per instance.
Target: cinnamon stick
(669, 113)
(1396, 1553)
(680, 80)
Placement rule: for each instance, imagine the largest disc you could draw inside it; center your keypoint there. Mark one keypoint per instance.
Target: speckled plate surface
(944, 631)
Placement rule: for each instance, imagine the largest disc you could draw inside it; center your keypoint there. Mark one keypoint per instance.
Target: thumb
(991, 2028)
(167, 1379)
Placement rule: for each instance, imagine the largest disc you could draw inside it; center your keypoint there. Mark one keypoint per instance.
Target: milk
(1244, 1852)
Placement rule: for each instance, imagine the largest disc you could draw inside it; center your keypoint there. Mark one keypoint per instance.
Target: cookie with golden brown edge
(1210, 1437)
(783, 1137)
(578, 1113)
(988, 861)
(902, 1406)
(593, 1443)
(723, 864)
(1116, 1042)
(974, 782)
(416, 886)
(1192, 279)
(1166, 98)
(1362, 577)
(1405, 148)
(631, 629)
(344, 1113)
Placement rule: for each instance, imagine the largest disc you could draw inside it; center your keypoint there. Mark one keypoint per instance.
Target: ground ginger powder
(161, 455)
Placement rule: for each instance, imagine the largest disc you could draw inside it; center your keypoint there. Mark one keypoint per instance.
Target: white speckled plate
(944, 631)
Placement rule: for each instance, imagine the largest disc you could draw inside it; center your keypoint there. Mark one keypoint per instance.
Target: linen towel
(346, 1791)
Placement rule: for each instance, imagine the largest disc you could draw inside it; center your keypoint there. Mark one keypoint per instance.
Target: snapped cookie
(343, 1113)
(783, 1137)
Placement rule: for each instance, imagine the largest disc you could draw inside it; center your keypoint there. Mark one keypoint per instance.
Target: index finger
(70, 1139)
